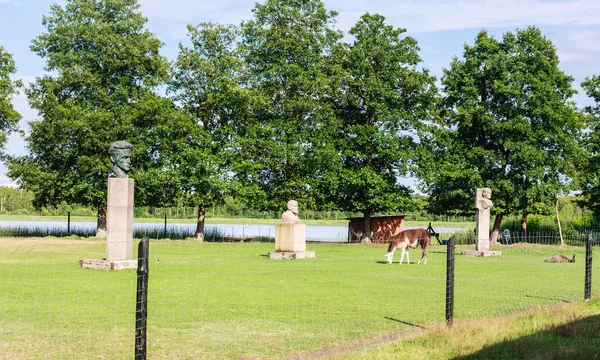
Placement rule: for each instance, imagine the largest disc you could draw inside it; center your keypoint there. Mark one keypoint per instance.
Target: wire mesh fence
(229, 300)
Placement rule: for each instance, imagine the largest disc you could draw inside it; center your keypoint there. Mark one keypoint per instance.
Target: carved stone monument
(290, 236)
(119, 213)
(483, 203)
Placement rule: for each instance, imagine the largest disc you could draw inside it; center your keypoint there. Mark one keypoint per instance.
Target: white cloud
(415, 15)
(226, 11)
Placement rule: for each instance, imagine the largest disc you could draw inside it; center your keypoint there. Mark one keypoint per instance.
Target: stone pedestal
(290, 242)
(119, 224)
(481, 253)
(482, 231)
(108, 265)
(483, 203)
(119, 219)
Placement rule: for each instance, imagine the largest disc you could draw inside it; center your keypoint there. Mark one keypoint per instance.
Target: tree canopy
(510, 124)
(9, 117)
(589, 165)
(383, 102)
(103, 65)
(207, 83)
(284, 150)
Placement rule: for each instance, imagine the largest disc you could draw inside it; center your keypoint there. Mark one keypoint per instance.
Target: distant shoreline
(209, 220)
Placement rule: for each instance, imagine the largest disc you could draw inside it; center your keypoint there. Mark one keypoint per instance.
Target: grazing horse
(412, 238)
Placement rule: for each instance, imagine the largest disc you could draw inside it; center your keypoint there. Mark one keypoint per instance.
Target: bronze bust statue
(120, 155)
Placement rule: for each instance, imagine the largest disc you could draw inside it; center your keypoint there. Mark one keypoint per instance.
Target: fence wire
(229, 300)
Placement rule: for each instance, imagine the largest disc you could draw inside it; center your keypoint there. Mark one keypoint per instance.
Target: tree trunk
(562, 241)
(101, 221)
(199, 234)
(496, 229)
(524, 228)
(366, 238)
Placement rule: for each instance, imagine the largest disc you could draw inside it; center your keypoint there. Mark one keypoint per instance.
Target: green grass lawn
(228, 300)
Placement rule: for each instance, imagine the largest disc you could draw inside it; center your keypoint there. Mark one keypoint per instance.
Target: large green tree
(510, 125)
(103, 65)
(207, 83)
(589, 168)
(9, 117)
(384, 102)
(285, 151)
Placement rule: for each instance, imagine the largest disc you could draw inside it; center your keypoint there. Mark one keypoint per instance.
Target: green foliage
(9, 117)
(12, 200)
(207, 79)
(509, 124)
(590, 166)
(382, 103)
(285, 150)
(103, 65)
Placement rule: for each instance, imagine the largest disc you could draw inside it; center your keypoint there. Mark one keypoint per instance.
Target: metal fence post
(68, 223)
(165, 226)
(588, 268)
(141, 308)
(450, 281)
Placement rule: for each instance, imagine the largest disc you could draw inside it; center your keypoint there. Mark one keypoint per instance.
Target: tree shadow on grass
(579, 339)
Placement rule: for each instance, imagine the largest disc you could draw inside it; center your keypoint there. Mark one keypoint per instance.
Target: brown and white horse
(412, 238)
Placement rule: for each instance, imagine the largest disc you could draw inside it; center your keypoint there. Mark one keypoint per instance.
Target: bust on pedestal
(483, 203)
(290, 236)
(119, 213)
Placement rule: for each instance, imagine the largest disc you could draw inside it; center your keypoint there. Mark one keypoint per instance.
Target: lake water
(313, 232)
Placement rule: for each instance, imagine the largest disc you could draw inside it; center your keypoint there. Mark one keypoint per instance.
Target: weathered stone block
(292, 255)
(290, 237)
(482, 253)
(119, 219)
(108, 265)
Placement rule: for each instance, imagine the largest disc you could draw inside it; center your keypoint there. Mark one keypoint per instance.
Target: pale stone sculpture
(290, 236)
(120, 155)
(483, 203)
(290, 216)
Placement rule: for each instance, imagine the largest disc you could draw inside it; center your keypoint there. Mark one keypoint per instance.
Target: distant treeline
(20, 202)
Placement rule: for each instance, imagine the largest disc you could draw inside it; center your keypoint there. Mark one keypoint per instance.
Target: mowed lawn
(228, 300)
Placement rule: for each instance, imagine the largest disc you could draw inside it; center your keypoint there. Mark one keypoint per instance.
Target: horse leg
(402, 257)
(390, 256)
(424, 255)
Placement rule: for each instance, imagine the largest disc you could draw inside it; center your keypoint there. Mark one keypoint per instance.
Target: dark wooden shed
(383, 228)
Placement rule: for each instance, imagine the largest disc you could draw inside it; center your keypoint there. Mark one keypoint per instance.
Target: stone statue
(120, 155)
(484, 199)
(483, 203)
(290, 216)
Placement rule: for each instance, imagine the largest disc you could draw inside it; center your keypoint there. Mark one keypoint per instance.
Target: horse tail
(391, 246)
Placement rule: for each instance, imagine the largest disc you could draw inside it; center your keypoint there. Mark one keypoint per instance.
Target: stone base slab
(292, 255)
(108, 264)
(481, 253)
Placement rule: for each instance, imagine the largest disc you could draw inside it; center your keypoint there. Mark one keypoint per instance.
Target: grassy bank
(216, 300)
(556, 332)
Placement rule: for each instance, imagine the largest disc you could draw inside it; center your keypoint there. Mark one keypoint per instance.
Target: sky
(441, 27)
